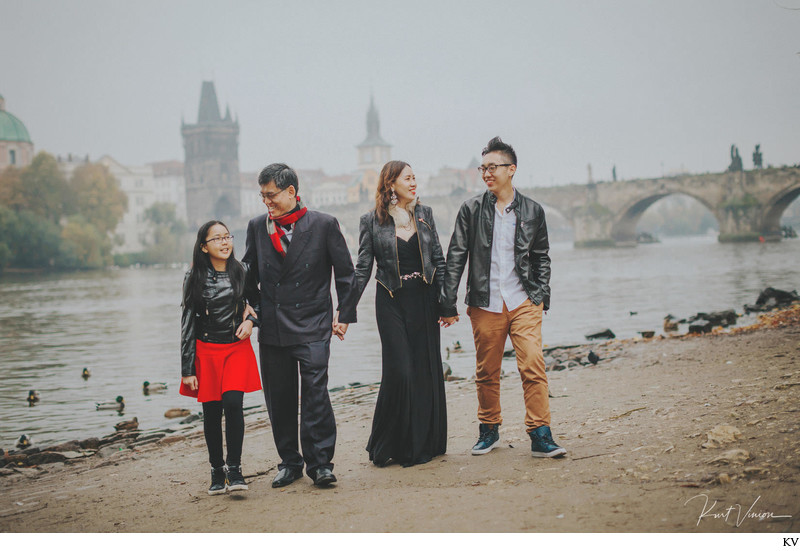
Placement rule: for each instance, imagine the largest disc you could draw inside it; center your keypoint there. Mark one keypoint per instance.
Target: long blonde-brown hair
(383, 196)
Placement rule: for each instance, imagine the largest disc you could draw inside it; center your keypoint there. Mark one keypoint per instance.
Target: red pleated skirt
(223, 367)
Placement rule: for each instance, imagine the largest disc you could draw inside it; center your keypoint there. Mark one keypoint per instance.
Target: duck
(669, 324)
(148, 387)
(33, 397)
(176, 412)
(86, 373)
(594, 358)
(118, 404)
(133, 424)
(24, 441)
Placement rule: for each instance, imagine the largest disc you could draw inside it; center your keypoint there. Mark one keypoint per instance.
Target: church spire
(373, 126)
(209, 107)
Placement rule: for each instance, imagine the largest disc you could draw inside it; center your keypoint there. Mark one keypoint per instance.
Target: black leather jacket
(379, 242)
(472, 237)
(218, 321)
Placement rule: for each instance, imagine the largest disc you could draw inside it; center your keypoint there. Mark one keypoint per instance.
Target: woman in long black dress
(410, 422)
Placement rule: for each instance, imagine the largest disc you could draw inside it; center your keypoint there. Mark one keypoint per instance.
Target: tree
(8, 230)
(42, 189)
(167, 234)
(97, 196)
(35, 241)
(83, 245)
(11, 188)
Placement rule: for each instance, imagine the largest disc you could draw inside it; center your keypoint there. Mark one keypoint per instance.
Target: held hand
(248, 311)
(447, 321)
(340, 330)
(245, 330)
(190, 381)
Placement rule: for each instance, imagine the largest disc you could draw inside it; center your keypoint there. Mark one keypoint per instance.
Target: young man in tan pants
(503, 234)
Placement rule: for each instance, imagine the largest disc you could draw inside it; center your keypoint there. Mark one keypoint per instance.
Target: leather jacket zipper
(385, 287)
(235, 315)
(421, 256)
(397, 258)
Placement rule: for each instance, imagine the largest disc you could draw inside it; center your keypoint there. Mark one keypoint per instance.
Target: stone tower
(211, 167)
(373, 153)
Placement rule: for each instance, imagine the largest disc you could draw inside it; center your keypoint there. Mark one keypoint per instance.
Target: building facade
(16, 147)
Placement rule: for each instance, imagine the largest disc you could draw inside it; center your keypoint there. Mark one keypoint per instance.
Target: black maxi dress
(410, 422)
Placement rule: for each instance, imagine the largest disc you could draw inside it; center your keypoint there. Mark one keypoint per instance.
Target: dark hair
(383, 195)
(200, 266)
(283, 175)
(496, 144)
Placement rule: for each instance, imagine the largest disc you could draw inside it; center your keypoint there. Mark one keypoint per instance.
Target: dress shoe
(286, 476)
(323, 477)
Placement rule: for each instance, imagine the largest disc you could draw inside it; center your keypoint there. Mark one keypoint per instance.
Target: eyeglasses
(271, 195)
(491, 168)
(220, 240)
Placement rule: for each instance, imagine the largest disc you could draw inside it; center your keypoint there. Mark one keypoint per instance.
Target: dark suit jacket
(295, 291)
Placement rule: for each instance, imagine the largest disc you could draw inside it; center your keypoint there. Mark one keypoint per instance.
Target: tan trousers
(524, 326)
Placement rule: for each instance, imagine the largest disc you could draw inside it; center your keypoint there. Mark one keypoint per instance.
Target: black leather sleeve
(540, 261)
(457, 254)
(437, 259)
(366, 254)
(188, 344)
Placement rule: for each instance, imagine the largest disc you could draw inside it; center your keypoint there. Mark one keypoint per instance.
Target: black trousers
(280, 366)
(231, 405)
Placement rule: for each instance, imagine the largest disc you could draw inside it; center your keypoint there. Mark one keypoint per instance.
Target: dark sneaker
(235, 479)
(488, 440)
(542, 444)
(219, 482)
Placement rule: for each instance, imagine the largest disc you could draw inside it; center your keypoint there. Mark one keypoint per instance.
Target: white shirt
(504, 283)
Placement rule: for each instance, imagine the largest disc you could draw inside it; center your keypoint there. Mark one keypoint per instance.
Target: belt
(413, 275)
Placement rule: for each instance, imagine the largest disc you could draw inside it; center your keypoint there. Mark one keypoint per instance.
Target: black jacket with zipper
(217, 320)
(472, 239)
(378, 242)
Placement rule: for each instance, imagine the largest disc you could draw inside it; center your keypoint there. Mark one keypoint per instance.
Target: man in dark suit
(290, 251)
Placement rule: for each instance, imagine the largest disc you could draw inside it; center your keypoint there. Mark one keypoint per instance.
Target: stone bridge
(747, 205)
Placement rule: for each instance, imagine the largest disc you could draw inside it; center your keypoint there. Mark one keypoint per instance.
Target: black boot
(219, 482)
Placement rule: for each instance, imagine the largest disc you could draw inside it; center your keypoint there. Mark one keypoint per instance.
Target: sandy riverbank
(634, 426)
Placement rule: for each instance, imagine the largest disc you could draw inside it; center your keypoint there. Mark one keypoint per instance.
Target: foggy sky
(650, 87)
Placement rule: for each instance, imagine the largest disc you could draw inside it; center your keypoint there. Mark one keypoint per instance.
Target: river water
(124, 326)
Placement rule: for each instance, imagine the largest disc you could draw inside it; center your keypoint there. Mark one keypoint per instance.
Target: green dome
(11, 128)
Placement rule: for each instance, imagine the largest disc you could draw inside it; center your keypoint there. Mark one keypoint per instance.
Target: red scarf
(275, 226)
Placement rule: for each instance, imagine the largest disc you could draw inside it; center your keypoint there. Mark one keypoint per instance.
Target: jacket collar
(511, 206)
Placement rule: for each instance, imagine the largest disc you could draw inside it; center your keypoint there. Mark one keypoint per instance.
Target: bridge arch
(774, 208)
(623, 228)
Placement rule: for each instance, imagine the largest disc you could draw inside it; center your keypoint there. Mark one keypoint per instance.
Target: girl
(217, 361)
